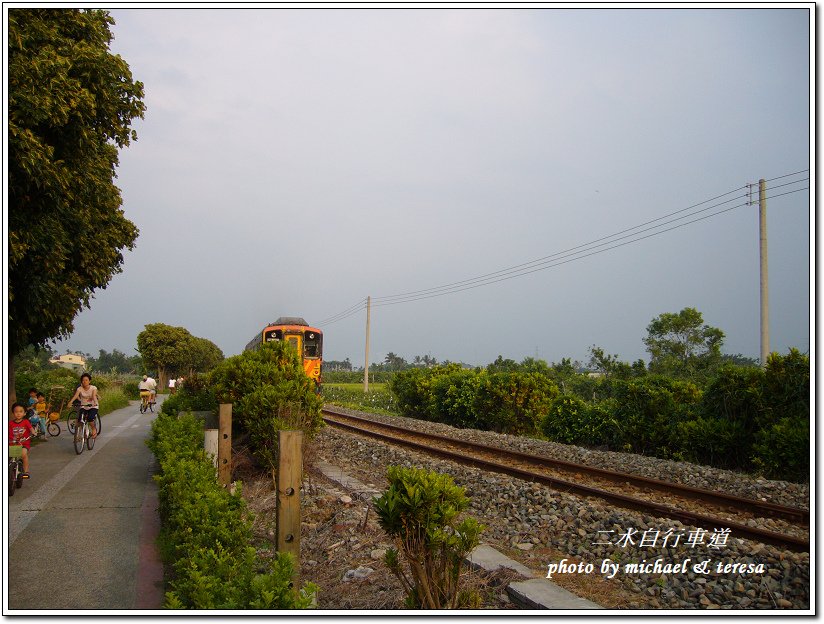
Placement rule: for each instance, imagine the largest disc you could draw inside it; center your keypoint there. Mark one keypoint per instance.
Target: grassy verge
(112, 399)
(378, 400)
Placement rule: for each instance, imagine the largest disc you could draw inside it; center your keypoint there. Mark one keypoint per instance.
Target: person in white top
(172, 383)
(148, 384)
(87, 394)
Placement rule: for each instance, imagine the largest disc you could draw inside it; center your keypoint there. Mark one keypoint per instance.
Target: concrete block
(539, 593)
(487, 558)
(358, 489)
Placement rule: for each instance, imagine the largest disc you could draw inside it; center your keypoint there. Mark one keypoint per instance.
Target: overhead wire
(551, 256)
(579, 257)
(518, 269)
(354, 309)
(574, 253)
(786, 175)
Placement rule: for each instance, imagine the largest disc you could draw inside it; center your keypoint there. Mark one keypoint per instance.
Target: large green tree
(174, 351)
(71, 103)
(681, 345)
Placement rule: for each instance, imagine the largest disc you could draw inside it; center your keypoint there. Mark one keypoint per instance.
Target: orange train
(308, 342)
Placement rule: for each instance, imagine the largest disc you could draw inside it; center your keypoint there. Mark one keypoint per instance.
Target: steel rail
(789, 542)
(762, 508)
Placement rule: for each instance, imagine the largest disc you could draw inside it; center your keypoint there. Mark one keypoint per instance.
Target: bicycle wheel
(54, 429)
(98, 424)
(89, 440)
(143, 407)
(12, 477)
(79, 437)
(71, 421)
(151, 408)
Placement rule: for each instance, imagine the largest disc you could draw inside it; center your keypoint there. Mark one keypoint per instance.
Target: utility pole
(366, 364)
(762, 230)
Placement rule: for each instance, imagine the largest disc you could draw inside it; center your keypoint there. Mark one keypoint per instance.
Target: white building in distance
(72, 361)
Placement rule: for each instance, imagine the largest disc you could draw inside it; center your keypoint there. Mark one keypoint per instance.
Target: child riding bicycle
(20, 430)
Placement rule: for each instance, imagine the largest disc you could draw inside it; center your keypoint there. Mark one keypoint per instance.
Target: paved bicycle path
(81, 530)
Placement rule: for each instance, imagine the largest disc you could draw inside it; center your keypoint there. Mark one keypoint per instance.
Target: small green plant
(420, 511)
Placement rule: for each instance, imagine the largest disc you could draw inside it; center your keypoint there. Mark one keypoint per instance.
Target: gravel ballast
(652, 561)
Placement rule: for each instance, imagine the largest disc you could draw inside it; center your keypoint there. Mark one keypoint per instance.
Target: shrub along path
(80, 529)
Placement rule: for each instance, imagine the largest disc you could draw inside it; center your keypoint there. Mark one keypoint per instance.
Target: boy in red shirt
(20, 431)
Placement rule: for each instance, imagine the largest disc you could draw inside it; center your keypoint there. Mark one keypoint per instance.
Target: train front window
(273, 335)
(311, 344)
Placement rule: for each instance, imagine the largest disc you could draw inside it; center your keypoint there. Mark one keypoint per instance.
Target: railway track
(686, 504)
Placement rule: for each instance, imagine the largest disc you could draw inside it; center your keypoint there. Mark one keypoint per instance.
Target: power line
(787, 175)
(579, 257)
(571, 254)
(549, 258)
(360, 305)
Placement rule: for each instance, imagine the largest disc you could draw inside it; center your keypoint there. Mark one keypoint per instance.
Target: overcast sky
(294, 162)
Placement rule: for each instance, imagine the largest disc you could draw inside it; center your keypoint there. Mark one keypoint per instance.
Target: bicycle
(47, 422)
(145, 402)
(16, 466)
(82, 432)
(71, 416)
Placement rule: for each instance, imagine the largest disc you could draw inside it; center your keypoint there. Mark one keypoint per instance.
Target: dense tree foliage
(681, 345)
(115, 362)
(174, 351)
(71, 103)
(269, 391)
(691, 404)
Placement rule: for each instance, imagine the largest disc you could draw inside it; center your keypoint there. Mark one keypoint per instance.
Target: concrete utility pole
(762, 230)
(366, 364)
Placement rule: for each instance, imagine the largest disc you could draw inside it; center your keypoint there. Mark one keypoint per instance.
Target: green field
(357, 387)
(378, 400)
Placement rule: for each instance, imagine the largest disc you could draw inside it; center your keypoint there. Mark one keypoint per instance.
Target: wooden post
(290, 475)
(224, 444)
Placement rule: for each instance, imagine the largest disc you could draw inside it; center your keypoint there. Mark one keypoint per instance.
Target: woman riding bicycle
(87, 394)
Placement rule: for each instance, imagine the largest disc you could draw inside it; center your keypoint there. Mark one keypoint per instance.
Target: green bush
(507, 402)
(453, 398)
(782, 451)
(130, 388)
(194, 395)
(411, 391)
(713, 441)
(572, 420)
(44, 381)
(648, 412)
(786, 387)
(206, 532)
(269, 391)
(420, 511)
(514, 403)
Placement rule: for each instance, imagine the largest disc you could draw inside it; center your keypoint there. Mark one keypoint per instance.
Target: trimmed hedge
(206, 532)
(744, 418)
